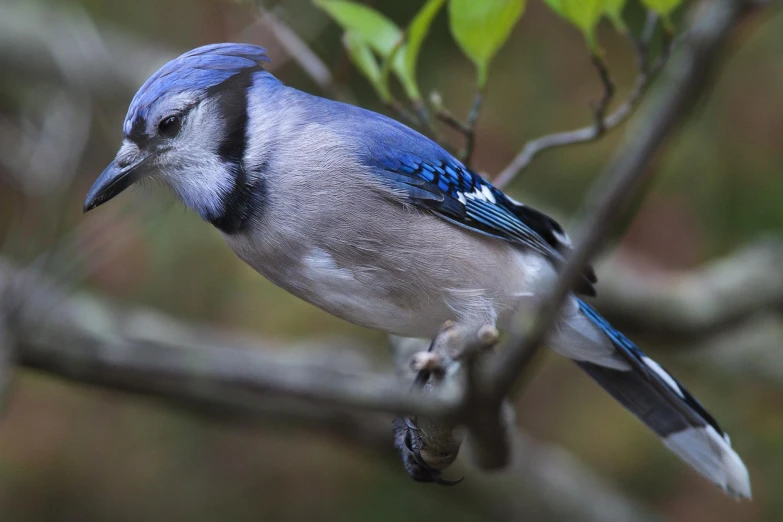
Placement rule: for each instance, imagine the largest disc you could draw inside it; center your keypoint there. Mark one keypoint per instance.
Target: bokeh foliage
(480, 29)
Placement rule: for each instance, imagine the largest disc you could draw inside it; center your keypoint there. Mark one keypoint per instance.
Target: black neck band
(246, 197)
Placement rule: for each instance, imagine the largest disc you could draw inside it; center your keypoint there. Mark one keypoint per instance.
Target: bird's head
(186, 126)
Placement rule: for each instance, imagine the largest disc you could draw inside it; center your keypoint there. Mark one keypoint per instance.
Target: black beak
(113, 180)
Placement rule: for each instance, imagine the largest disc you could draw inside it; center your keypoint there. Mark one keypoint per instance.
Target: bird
(366, 218)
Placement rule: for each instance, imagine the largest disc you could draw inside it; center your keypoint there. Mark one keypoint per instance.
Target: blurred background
(72, 452)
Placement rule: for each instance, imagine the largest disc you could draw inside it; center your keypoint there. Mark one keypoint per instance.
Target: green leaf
(361, 55)
(662, 7)
(417, 31)
(481, 27)
(374, 28)
(614, 11)
(380, 33)
(584, 14)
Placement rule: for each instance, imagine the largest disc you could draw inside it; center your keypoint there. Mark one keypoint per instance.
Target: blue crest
(199, 69)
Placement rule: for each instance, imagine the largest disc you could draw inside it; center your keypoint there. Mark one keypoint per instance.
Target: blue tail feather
(664, 405)
(663, 381)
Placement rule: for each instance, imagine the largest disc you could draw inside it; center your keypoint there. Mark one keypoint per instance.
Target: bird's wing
(423, 174)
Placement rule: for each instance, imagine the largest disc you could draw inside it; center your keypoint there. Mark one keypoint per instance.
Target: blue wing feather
(429, 177)
(463, 196)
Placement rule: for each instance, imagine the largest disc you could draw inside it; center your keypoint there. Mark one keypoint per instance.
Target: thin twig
(602, 123)
(419, 117)
(470, 136)
(388, 62)
(298, 49)
(424, 116)
(642, 43)
(467, 128)
(599, 113)
(404, 114)
(449, 119)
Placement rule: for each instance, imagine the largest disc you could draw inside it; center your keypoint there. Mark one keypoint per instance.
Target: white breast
(352, 293)
(408, 283)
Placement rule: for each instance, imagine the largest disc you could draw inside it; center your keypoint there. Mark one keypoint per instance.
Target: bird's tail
(663, 404)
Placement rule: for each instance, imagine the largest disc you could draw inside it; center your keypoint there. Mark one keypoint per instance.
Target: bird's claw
(408, 442)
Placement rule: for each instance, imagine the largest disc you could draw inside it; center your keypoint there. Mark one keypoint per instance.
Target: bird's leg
(428, 446)
(424, 364)
(407, 438)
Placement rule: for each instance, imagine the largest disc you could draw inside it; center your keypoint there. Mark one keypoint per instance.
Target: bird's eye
(170, 126)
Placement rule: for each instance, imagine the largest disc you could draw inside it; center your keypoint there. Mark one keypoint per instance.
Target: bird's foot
(408, 441)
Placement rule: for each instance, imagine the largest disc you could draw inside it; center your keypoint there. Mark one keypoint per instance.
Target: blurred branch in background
(699, 303)
(61, 44)
(7, 348)
(43, 153)
(88, 340)
(298, 49)
(751, 349)
(90, 343)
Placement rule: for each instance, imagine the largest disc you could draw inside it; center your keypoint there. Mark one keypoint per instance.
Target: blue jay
(377, 224)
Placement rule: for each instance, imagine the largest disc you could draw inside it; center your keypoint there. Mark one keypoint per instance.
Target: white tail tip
(711, 455)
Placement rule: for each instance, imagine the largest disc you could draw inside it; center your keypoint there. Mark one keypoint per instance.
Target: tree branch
(750, 350)
(122, 354)
(542, 478)
(6, 359)
(699, 303)
(192, 368)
